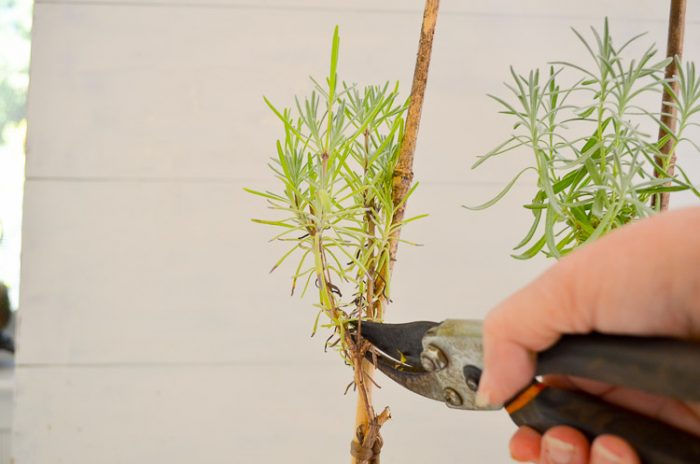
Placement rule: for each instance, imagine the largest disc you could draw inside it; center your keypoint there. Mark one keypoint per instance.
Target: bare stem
(667, 160)
(366, 432)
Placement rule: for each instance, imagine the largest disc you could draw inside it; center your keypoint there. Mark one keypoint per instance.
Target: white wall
(150, 329)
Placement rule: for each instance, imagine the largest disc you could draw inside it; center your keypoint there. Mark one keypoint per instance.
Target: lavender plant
(589, 185)
(337, 211)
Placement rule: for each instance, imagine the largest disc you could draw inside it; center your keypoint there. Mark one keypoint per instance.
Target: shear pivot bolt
(433, 359)
(452, 398)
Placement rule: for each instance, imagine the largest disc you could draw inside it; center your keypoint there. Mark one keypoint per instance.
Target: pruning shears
(443, 361)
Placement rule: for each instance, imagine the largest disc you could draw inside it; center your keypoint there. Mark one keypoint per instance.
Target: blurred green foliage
(15, 28)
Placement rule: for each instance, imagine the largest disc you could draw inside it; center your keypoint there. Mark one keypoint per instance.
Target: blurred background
(15, 26)
(149, 327)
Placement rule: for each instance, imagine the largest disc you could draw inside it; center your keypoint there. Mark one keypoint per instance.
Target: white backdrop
(150, 329)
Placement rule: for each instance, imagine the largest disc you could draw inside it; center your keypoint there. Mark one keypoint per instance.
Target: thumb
(590, 289)
(529, 321)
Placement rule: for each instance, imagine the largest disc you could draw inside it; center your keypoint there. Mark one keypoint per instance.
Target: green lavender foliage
(589, 185)
(334, 206)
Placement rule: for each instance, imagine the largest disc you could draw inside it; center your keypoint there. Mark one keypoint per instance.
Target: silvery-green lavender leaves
(591, 184)
(335, 166)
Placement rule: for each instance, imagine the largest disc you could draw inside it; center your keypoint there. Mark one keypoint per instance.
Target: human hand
(640, 280)
(563, 444)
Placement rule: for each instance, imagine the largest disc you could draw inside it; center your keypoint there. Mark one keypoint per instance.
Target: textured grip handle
(663, 366)
(656, 443)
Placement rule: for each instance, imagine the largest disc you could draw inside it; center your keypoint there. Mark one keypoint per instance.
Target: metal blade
(402, 342)
(416, 380)
(441, 361)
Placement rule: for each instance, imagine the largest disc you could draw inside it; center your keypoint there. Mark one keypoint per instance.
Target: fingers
(608, 449)
(566, 445)
(559, 445)
(525, 445)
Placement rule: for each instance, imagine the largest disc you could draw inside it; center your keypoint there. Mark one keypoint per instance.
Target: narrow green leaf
(500, 194)
(333, 76)
(268, 195)
(272, 223)
(284, 257)
(533, 250)
(537, 214)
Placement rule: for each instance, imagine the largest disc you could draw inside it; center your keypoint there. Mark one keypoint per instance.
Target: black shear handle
(663, 366)
(543, 407)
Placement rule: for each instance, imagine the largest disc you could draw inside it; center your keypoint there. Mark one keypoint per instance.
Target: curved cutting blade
(415, 379)
(402, 342)
(452, 354)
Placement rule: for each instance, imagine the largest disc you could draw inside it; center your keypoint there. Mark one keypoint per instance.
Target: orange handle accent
(524, 397)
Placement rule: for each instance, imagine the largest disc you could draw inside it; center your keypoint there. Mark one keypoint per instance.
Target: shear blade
(399, 348)
(402, 342)
(416, 379)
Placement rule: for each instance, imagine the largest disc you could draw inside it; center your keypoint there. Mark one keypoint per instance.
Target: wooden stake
(403, 173)
(676, 32)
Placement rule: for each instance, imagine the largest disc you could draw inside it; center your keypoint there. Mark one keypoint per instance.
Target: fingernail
(482, 398)
(602, 455)
(557, 451)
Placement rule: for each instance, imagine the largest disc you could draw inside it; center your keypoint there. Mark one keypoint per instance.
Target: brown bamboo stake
(403, 173)
(368, 426)
(667, 161)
